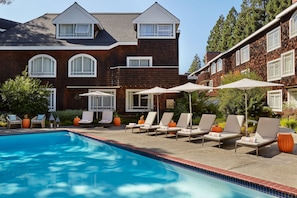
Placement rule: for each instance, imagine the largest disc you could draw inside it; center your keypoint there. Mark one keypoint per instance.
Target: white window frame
(130, 93)
(293, 25)
(275, 100)
(76, 31)
(274, 70)
(237, 57)
(219, 65)
(273, 39)
(139, 59)
(245, 54)
(96, 103)
(52, 99)
(82, 72)
(213, 69)
(157, 30)
(292, 102)
(42, 74)
(288, 63)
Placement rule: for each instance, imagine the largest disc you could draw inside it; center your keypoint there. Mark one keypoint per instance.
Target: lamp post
(51, 120)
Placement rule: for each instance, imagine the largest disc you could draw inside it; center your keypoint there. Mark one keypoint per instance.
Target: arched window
(82, 65)
(42, 66)
(293, 25)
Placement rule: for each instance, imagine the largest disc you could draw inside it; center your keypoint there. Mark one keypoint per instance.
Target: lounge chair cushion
(249, 139)
(40, 116)
(12, 117)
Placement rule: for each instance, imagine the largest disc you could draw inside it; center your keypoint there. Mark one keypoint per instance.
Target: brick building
(270, 52)
(77, 52)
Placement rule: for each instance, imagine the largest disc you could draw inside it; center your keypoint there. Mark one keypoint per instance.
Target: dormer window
(156, 30)
(75, 31)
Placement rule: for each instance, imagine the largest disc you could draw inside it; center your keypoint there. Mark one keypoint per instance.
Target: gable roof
(118, 28)
(76, 14)
(6, 24)
(156, 14)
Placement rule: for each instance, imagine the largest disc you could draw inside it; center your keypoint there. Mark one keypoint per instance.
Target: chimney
(210, 55)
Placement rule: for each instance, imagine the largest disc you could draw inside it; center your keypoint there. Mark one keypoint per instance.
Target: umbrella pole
(190, 107)
(158, 116)
(246, 114)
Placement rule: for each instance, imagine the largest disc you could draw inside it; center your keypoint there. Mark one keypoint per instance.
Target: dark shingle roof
(6, 24)
(41, 32)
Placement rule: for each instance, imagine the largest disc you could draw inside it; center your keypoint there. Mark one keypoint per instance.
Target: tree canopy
(196, 64)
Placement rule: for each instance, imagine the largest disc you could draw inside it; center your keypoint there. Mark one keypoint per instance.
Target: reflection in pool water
(63, 164)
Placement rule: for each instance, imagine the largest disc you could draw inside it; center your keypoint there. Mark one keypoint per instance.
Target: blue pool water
(63, 164)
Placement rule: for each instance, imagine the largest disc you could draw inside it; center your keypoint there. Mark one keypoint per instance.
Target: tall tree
(274, 7)
(196, 64)
(251, 18)
(228, 29)
(215, 36)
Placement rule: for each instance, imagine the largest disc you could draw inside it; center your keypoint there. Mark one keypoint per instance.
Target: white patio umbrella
(246, 84)
(95, 93)
(156, 91)
(190, 87)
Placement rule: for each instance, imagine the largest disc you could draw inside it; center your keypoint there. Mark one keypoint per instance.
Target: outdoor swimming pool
(64, 164)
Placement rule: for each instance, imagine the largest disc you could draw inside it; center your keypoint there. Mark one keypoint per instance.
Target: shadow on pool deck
(271, 165)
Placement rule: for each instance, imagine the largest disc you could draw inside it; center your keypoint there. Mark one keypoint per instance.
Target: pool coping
(265, 186)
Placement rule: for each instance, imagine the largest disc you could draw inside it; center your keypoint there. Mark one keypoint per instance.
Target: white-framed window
(220, 65)
(82, 65)
(293, 25)
(292, 97)
(78, 31)
(275, 100)
(100, 103)
(52, 100)
(288, 63)
(42, 66)
(156, 31)
(138, 102)
(274, 70)
(245, 54)
(141, 61)
(273, 39)
(213, 68)
(210, 84)
(237, 57)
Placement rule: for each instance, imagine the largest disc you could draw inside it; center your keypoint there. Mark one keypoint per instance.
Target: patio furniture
(38, 120)
(13, 120)
(107, 117)
(166, 118)
(87, 117)
(285, 142)
(148, 122)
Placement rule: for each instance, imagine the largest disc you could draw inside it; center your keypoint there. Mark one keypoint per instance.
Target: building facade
(270, 52)
(77, 52)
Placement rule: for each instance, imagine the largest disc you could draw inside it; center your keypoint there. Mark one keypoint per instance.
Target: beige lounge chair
(87, 117)
(13, 120)
(148, 122)
(183, 122)
(232, 130)
(38, 120)
(266, 134)
(107, 117)
(166, 118)
(204, 127)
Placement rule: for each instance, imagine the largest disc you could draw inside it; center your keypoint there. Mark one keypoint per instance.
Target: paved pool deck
(271, 168)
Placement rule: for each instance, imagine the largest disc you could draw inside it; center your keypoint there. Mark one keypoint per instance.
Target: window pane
(146, 30)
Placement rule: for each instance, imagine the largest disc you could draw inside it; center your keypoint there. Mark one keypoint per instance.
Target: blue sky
(197, 17)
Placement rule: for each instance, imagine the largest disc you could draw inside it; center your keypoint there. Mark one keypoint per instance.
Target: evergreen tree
(196, 64)
(215, 36)
(274, 7)
(251, 18)
(227, 30)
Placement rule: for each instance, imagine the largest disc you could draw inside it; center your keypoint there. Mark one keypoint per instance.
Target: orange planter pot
(26, 123)
(216, 129)
(285, 142)
(117, 121)
(75, 121)
(172, 124)
(141, 121)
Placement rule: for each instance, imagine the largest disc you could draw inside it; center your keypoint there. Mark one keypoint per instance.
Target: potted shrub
(116, 119)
